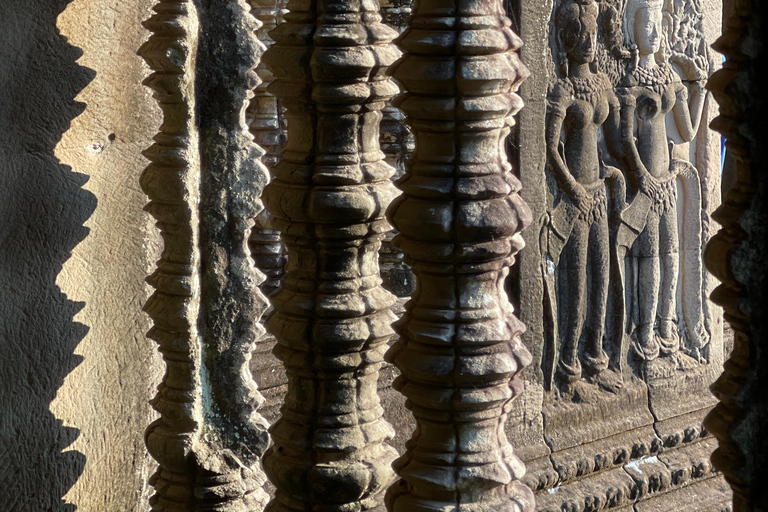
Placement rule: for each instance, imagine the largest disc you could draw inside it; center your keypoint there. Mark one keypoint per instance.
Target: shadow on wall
(42, 211)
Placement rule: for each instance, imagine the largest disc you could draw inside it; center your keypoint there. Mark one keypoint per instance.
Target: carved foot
(645, 346)
(668, 338)
(565, 385)
(700, 340)
(585, 392)
(607, 380)
(594, 365)
(696, 354)
(567, 374)
(685, 362)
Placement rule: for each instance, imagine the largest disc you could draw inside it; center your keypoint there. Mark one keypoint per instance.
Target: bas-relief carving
(627, 327)
(577, 239)
(634, 130)
(668, 322)
(651, 91)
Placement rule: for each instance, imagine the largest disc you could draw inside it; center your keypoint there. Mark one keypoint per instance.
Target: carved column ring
(360, 204)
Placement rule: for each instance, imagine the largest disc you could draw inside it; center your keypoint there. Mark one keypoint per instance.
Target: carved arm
(565, 179)
(687, 112)
(636, 171)
(612, 127)
(563, 176)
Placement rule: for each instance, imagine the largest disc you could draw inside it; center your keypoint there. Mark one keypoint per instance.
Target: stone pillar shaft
(203, 181)
(459, 220)
(265, 122)
(737, 256)
(328, 198)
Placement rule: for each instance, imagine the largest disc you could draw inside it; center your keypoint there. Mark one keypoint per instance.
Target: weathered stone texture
(737, 256)
(204, 182)
(328, 196)
(76, 369)
(458, 223)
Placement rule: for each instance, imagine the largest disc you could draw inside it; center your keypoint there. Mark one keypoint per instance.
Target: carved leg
(459, 220)
(669, 339)
(328, 199)
(648, 286)
(595, 358)
(574, 304)
(204, 181)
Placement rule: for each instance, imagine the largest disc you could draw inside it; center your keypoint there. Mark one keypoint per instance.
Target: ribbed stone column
(459, 221)
(328, 198)
(264, 119)
(737, 256)
(203, 181)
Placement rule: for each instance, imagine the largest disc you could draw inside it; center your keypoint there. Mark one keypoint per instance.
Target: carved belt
(665, 195)
(599, 205)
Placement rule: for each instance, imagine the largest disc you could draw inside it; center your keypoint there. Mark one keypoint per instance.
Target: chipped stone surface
(664, 481)
(614, 489)
(712, 495)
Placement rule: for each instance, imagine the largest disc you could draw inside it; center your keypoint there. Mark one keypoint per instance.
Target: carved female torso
(654, 94)
(586, 111)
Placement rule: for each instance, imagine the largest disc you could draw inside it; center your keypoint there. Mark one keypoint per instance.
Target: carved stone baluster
(459, 221)
(203, 183)
(397, 144)
(328, 198)
(264, 118)
(267, 252)
(737, 254)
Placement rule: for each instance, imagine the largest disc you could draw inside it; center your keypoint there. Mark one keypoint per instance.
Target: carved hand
(626, 98)
(692, 69)
(702, 58)
(635, 54)
(648, 185)
(580, 196)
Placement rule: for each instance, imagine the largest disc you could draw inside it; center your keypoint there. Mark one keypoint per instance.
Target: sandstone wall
(76, 367)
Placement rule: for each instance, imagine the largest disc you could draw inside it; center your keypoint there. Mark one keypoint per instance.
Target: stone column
(264, 119)
(397, 144)
(459, 221)
(328, 198)
(737, 256)
(203, 182)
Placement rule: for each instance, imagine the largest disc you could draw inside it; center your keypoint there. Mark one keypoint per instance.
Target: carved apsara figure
(578, 104)
(650, 91)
